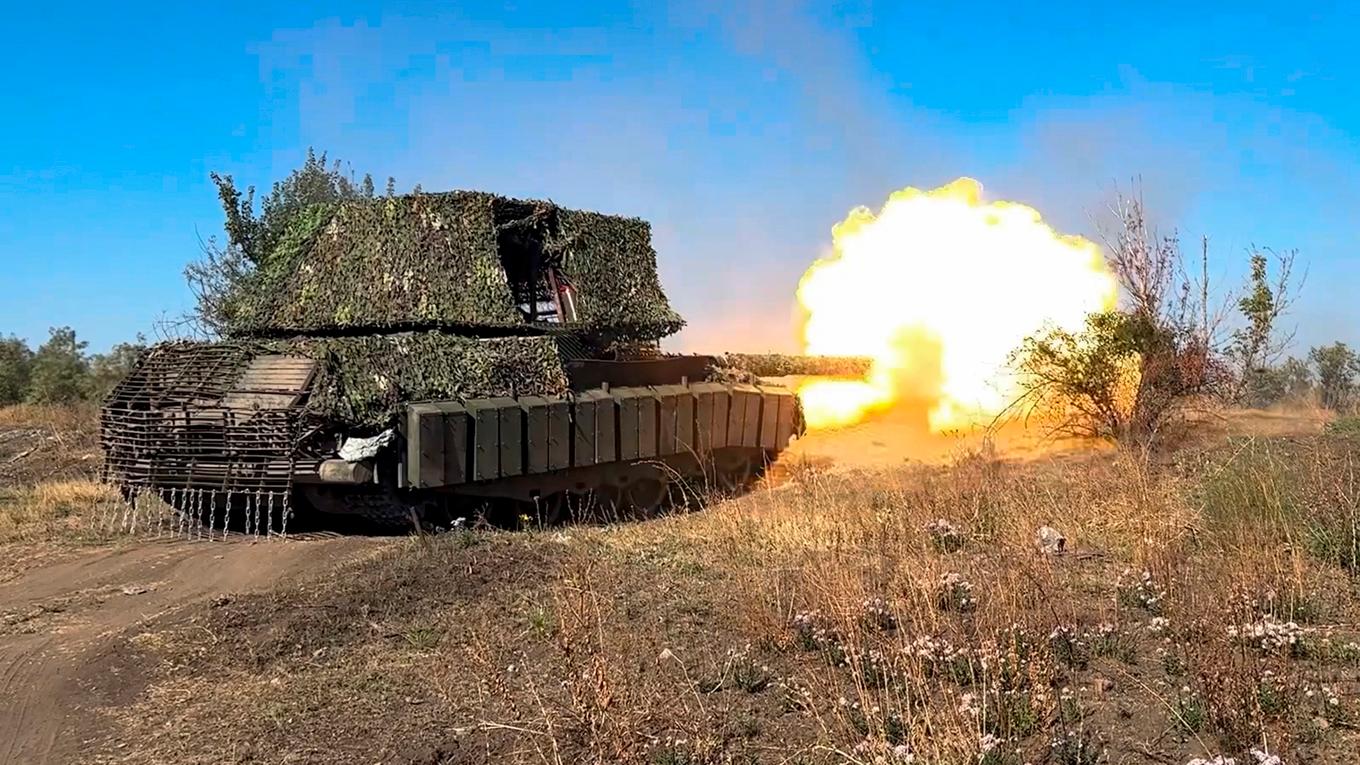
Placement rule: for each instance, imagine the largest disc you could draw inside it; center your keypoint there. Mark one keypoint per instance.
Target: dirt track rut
(63, 626)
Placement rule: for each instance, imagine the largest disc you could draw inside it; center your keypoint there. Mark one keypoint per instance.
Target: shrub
(16, 360)
(1337, 367)
(60, 371)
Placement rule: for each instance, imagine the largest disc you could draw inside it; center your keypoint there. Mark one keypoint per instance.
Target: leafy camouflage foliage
(222, 271)
(315, 183)
(432, 261)
(364, 381)
(420, 260)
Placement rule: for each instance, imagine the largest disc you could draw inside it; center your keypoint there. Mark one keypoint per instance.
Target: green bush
(60, 372)
(16, 361)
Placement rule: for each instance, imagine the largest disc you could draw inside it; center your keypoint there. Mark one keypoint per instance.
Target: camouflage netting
(435, 261)
(781, 365)
(611, 262)
(364, 381)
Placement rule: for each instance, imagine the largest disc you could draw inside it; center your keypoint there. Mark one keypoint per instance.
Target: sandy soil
(63, 626)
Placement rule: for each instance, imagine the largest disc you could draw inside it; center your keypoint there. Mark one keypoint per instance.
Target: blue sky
(742, 131)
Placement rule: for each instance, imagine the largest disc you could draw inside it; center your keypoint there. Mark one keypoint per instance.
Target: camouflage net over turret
(434, 261)
(611, 262)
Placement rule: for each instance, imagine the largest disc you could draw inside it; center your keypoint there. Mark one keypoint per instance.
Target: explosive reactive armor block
(450, 443)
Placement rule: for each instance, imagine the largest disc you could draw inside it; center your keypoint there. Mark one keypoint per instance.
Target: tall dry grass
(67, 418)
(893, 641)
(55, 510)
(831, 618)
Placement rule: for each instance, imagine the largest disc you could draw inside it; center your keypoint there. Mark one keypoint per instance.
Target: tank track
(376, 505)
(607, 493)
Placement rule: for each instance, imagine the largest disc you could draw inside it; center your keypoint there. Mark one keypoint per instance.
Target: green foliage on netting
(260, 304)
(425, 261)
(611, 262)
(365, 381)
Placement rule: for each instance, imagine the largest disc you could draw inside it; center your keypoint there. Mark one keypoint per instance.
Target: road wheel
(734, 469)
(647, 496)
(602, 504)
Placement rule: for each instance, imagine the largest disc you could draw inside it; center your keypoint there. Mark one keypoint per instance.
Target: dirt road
(63, 627)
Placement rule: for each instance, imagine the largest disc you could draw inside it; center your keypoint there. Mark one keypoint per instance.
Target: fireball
(939, 288)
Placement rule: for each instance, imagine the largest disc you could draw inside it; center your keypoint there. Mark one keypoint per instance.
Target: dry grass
(70, 418)
(45, 521)
(820, 621)
(55, 510)
(47, 443)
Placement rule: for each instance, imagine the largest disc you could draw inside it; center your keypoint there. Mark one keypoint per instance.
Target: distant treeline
(60, 371)
(1330, 373)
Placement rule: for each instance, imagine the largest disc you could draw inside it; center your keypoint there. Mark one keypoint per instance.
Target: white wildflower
(1266, 758)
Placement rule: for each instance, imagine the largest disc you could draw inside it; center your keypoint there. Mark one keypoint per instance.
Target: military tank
(413, 359)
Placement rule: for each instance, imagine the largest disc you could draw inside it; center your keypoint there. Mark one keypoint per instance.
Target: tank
(424, 358)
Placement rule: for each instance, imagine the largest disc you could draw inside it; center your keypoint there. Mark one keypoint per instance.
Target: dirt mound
(39, 443)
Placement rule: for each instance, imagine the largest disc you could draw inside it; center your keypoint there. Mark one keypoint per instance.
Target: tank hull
(210, 429)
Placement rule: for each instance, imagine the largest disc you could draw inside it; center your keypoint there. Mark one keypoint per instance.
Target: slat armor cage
(181, 421)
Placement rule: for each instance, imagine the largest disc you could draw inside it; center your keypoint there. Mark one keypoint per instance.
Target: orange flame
(938, 289)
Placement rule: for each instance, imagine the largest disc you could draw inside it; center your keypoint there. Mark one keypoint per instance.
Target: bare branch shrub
(1128, 373)
(251, 237)
(213, 279)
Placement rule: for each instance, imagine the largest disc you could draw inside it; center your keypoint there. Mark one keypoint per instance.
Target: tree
(1256, 345)
(1120, 377)
(107, 369)
(1266, 385)
(60, 370)
(1127, 372)
(251, 238)
(16, 361)
(1337, 367)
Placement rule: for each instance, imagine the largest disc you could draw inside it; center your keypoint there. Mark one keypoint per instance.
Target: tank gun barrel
(785, 365)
